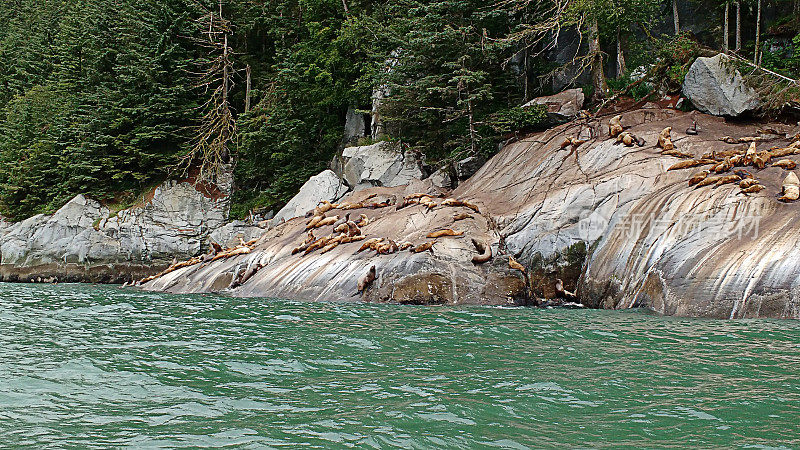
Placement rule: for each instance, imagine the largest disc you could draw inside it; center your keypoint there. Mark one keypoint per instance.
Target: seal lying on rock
(664, 140)
(787, 164)
(445, 232)
(563, 293)
(424, 247)
(691, 163)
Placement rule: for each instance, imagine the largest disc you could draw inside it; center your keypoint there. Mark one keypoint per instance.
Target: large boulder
(324, 186)
(561, 107)
(714, 86)
(380, 164)
(467, 167)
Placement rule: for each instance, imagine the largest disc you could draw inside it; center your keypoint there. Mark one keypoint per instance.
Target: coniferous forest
(110, 97)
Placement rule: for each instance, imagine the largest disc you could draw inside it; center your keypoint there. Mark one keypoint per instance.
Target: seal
(724, 166)
(454, 202)
(677, 154)
(753, 189)
(615, 126)
(707, 182)
(563, 293)
(365, 281)
(692, 131)
(691, 163)
(341, 221)
(727, 179)
(787, 164)
(747, 182)
(404, 246)
(761, 159)
(664, 140)
(778, 152)
(314, 221)
(443, 233)
(363, 221)
(327, 221)
(698, 177)
(369, 244)
(790, 188)
(387, 248)
(428, 246)
(484, 252)
(462, 216)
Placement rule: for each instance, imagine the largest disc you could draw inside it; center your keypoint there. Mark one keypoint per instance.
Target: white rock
(380, 164)
(324, 186)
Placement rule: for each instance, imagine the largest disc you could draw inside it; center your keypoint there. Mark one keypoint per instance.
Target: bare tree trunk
(725, 29)
(525, 73)
(620, 56)
(346, 9)
(757, 52)
(738, 26)
(675, 16)
(598, 77)
(248, 85)
(473, 135)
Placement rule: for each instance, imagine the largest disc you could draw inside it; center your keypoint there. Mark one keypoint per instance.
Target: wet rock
(714, 86)
(324, 186)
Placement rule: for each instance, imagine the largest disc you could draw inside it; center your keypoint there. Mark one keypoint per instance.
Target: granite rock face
(715, 87)
(84, 241)
(612, 221)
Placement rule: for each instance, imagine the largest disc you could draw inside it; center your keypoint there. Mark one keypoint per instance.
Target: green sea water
(91, 366)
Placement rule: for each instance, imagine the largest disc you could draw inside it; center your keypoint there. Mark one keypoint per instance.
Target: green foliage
(513, 120)
(785, 59)
(107, 104)
(676, 55)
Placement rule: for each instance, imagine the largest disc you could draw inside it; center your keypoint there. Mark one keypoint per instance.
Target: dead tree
(211, 146)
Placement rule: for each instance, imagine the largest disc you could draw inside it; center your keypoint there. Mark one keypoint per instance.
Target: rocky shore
(568, 210)
(609, 220)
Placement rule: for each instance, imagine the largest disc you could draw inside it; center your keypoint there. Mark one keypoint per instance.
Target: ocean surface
(97, 366)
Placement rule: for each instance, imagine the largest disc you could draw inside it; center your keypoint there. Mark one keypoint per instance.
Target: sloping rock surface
(650, 240)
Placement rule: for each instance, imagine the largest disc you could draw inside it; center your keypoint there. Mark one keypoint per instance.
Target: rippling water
(101, 366)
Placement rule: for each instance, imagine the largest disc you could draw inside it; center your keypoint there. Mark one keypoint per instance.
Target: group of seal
(736, 160)
(215, 252)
